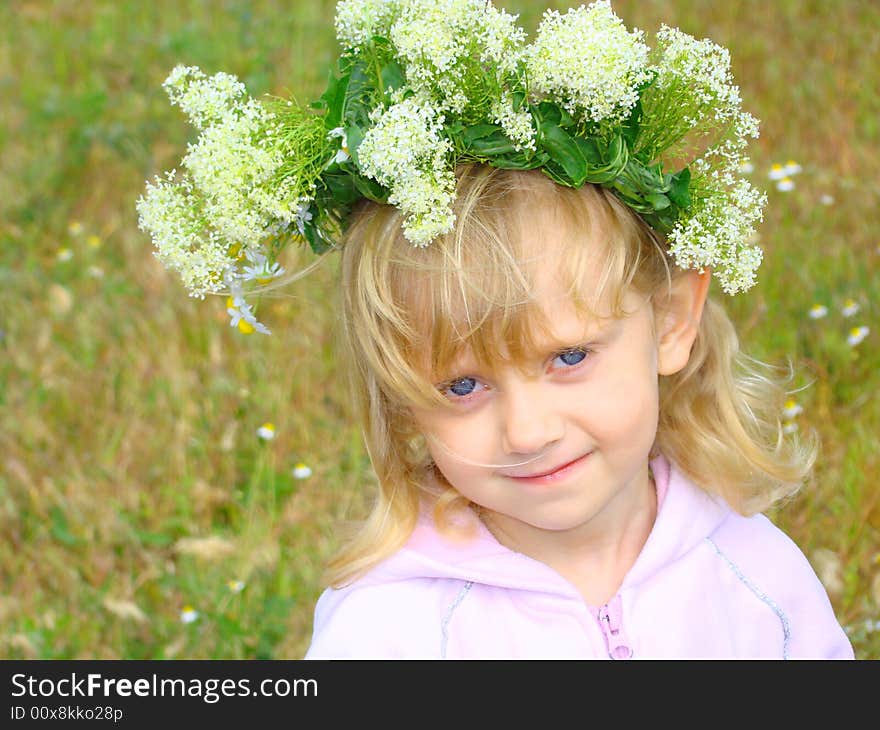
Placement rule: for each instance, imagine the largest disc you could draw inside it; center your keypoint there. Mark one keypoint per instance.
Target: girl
(572, 452)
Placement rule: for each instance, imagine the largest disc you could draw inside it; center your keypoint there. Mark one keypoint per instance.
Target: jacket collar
(686, 515)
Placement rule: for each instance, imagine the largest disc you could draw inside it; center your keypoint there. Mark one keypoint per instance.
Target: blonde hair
(407, 312)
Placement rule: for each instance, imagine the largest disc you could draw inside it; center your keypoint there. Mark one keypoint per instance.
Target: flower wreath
(422, 86)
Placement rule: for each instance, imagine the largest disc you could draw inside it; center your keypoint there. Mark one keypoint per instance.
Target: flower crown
(422, 86)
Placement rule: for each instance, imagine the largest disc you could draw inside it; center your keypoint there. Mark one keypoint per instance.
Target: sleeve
(815, 630)
(373, 622)
(811, 627)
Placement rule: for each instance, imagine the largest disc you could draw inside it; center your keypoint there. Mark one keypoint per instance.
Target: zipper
(611, 622)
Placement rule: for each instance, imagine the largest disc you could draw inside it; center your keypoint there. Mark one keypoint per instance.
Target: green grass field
(133, 485)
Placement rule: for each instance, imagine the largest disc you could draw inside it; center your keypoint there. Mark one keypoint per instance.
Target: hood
(686, 515)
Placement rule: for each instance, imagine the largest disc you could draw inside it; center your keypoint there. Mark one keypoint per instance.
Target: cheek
(625, 403)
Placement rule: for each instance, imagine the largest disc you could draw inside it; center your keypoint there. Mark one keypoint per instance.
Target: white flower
(826, 199)
(357, 21)
(746, 167)
(96, 272)
(850, 307)
(75, 228)
(259, 269)
(64, 254)
(718, 236)
(817, 311)
(406, 152)
(448, 46)
(792, 409)
(266, 431)
(204, 100)
(516, 125)
(241, 316)
(342, 154)
(188, 615)
(789, 427)
(777, 172)
(791, 168)
(236, 586)
(786, 184)
(240, 313)
(301, 471)
(588, 62)
(857, 334)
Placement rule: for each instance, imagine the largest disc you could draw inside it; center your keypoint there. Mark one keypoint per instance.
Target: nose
(531, 419)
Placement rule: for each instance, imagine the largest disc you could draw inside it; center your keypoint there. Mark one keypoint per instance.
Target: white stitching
(444, 626)
(786, 628)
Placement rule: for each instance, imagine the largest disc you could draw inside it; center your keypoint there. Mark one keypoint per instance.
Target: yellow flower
(75, 228)
(93, 241)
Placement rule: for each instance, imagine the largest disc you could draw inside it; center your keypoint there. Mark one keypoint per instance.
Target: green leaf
(589, 148)
(316, 242)
(392, 76)
(631, 125)
(658, 201)
(519, 161)
(679, 190)
(369, 188)
(565, 151)
(333, 99)
(469, 135)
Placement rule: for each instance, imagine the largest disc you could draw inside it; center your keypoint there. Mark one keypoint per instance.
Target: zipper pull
(611, 621)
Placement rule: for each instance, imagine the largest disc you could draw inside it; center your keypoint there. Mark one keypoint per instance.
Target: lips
(556, 470)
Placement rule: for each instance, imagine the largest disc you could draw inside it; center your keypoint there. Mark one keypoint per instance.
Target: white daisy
(857, 334)
(786, 184)
(777, 171)
(817, 311)
(266, 431)
(301, 471)
(850, 307)
(188, 614)
(792, 409)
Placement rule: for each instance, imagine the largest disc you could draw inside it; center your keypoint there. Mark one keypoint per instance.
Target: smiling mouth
(556, 471)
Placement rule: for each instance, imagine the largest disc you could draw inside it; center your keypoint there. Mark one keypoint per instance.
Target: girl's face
(583, 415)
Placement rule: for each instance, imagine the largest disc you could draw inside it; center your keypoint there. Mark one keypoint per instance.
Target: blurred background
(170, 487)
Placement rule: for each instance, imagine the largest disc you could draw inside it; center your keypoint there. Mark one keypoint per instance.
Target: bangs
(474, 290)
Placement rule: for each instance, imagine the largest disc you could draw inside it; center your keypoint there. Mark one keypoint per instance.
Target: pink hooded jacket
(708, 583)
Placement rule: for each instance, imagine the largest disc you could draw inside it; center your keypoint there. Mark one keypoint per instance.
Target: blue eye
(573, 357)
(462, 386)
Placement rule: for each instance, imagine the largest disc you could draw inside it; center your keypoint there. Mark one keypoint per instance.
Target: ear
(677, 320)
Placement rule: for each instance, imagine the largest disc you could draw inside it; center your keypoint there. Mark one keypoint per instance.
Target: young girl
(572, 453)
(571, 450)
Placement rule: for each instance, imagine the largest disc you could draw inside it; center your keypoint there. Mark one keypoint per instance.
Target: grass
(128, 412)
